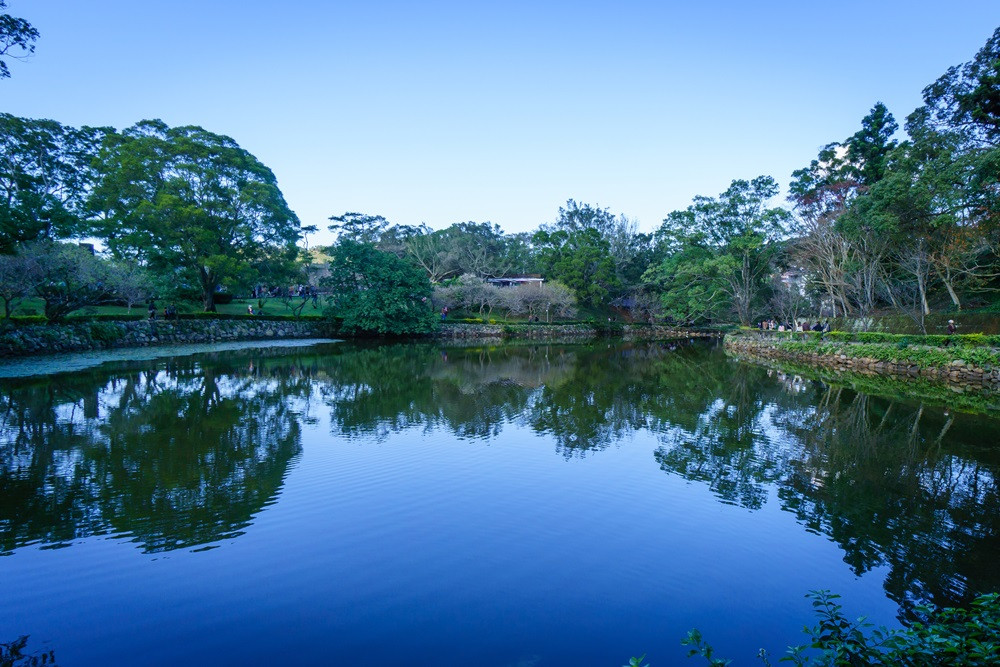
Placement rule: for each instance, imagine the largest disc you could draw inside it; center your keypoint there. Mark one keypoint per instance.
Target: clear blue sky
(443, 112)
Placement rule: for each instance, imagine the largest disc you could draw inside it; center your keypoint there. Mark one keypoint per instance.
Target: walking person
(951, 332)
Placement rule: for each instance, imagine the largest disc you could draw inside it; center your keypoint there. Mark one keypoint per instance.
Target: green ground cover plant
(903, 340)
(943, 637)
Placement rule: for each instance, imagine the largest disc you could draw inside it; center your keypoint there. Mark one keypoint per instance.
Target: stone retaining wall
(74, 337)
(563, 331)
(956, 373)
(102, 335)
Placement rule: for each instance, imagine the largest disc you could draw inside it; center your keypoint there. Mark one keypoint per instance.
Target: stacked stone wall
(957, 373)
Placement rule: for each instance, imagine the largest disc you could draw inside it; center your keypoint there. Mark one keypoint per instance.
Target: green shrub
(248, 318)
(878, 337)
(135, 317)
(948, 636)
(975, 340)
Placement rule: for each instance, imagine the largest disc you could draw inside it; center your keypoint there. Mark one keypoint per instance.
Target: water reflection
(184, 452)
(179, 455)
(904, 485)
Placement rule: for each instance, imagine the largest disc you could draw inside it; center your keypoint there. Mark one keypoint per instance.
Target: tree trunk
(953, 295)
(921, 285)
(946, 279)
(892, 297)
(208, 285)
(208, 299)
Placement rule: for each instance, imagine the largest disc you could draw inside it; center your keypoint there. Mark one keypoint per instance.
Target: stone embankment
(102, 335)
(565, 331)
(944, 365)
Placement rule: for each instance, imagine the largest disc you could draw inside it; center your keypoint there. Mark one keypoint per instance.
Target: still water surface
(491, 505)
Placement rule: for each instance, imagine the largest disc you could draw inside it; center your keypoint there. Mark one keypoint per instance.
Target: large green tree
(581, 260)
(936, 200)
(688, 278)
(843, 264)
(733, 238)
(629, 250)
(376, 292)
(192, 204)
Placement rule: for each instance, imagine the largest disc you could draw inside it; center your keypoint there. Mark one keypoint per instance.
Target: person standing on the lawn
(951, 332)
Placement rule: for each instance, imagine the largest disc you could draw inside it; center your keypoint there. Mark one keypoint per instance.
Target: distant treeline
(876, 223)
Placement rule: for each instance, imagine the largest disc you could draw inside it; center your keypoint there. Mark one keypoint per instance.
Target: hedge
(248, 318)
(25, 320)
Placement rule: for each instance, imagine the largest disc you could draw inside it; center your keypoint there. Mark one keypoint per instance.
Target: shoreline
(541, 331)
(943, 367)
(43, 339)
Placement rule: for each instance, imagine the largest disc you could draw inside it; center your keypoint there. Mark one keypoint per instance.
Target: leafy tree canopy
(45, 177)
(579, 259)
(721, 245)
(869, 147)
(359, 227)
(966, 99)
(377, 292)
(191, 202)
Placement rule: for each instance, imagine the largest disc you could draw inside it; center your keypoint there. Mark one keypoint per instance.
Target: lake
(427, 504)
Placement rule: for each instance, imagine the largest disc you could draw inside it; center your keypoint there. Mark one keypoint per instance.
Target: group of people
(774, 325)
(169, 311)
(303, 291)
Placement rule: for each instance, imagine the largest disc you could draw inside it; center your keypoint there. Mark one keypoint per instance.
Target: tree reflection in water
(184, 452)
(174, 456)
(907, 486)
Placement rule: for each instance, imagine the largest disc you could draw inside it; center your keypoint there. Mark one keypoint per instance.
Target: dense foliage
(376, 292)
(948, 636)
(190, 204)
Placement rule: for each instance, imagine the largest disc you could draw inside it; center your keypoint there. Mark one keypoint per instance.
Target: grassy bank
(922, 356)
(918, 388)
(898, 339)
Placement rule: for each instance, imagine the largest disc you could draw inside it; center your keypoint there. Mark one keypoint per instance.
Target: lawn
(237, 307)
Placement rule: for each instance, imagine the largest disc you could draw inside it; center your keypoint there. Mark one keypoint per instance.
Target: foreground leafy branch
(949, 636)
(12, 654)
